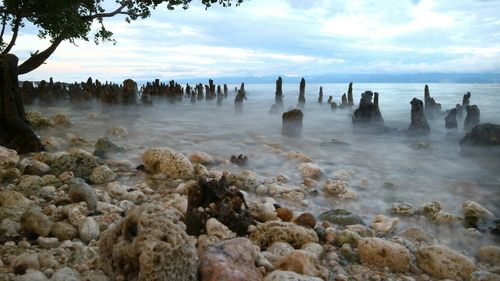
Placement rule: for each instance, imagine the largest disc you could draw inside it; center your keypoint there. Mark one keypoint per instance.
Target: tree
(59, 20)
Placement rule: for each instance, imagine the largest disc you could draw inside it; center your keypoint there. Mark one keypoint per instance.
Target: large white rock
(382, 253)
(88, 229)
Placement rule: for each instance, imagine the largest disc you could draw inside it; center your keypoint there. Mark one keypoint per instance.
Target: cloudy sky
(286, 37)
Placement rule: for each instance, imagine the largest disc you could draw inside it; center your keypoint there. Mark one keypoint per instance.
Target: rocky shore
(81, 214)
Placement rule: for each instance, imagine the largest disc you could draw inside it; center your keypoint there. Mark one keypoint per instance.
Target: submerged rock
(230, 260)
(213, 199)
(484, 136)
(168, 161)
(367, 118)
(477, 216)
(419, 124)
(382, 253)
(472, 118)
(150, 243)
(76, 161)
(489, 255)
(292, 123)
(451, 119)
(341, 217)
(441, 262)
(105, 146)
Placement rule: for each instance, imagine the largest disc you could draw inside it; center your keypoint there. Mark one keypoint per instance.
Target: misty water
(398, 168)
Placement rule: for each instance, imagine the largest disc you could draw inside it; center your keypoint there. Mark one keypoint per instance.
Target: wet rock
(213, 199)
(485, 276)
(280, 249)
(341, 217)
(63, 230)
(367, 118)
(240, 160)
(88, 229)
(477, 216)
(38, 121)
(451, 119)
(274, 231)
(484, 135)
(9, 229)
(441, 262)
(383, 224)
(445, 218)
(430, 209)
(104, 147)
(405, 209)
(292, 123)
(80, 191)
(34, 222)
(472, 118)
(29, 185)
(301, 262)
(489, 255)
(66, 274)
(199, 157)
(118, 132)
(170, 162)
(309, 170)
(102, 174)
(78, 162)
(12, 205)
(339, 189)
(419, 124)
(61, 120)
(306, 220)
(280, 275)
(381, 253)
(150, 243)
(230, 260)
(299, 156)
(33, 167)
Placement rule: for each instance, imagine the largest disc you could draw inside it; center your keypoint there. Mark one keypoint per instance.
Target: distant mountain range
(360, 78)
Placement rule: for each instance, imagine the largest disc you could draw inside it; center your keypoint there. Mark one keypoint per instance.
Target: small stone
(284, 214)
(415, 234)
(25, 262)
(263, 211)
(9, 229)
(299, 156)
(402, 209)
(8, 158)
(66, 176)
(32, 276)
(170, 162)
(280, 249)
(341, 217)
(381, 253)
(273, 231)
(444, 263)
(302, 262)
(431, 208)
(476, 215)
(88, 229)
(306, 220)
(314, 248)
(445, 218)
(346, 236)
(35, 222)
(124, 205)
(47, 242)
(24, 244)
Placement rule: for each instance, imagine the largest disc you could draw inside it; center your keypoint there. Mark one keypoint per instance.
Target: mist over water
(416, 170)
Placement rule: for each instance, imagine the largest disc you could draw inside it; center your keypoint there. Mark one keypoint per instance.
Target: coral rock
(150, 243)
(273, 231)
(170, 162)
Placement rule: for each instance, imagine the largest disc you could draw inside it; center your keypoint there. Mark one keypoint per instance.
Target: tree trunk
(15, 130)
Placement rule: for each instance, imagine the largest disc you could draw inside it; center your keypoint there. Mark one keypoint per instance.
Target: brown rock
(231, 260)
(382, 253)
(306, 219)
(285, 214)
(444, 263)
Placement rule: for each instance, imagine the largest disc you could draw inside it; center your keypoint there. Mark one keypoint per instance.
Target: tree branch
(4, 23)
(15, 30)
(118, 10)
(38, 59)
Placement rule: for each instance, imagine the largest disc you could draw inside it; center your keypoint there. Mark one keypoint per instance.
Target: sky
(285, 37)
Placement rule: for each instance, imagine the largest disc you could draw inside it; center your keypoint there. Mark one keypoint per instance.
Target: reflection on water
(398, 168)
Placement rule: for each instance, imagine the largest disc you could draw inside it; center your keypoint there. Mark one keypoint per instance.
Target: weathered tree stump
(451, 119)
(302, 93)
(419, 124)
(472, 118)
(350, 100)
(15, 130)
(320, 97)
(367, 118)
(292, 123)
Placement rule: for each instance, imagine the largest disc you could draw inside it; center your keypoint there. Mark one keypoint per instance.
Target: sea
(386, 168)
